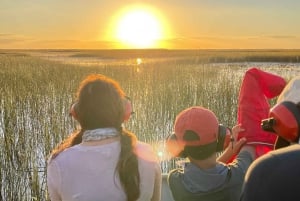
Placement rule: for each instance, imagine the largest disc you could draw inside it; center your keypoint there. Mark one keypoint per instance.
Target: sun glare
(139, 28)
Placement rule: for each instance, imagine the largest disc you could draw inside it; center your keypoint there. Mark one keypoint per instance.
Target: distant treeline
(200, 55)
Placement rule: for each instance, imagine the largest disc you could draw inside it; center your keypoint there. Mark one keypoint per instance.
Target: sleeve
(53, 181)
(157, 184)
(145, 152)
(174, 184)
(241, 163)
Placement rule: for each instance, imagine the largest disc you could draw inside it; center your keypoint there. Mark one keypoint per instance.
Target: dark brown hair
(100, 104)
(198, 152)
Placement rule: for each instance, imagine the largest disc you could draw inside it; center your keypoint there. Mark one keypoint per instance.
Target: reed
(36, 96)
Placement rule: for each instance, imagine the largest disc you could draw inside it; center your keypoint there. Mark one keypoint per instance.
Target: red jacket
(253, 105)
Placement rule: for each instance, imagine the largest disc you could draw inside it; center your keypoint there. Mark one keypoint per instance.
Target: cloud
(272, 37)
(74, 44)
(282, 37)
(12, 40)
(8, 38)
(236, 42)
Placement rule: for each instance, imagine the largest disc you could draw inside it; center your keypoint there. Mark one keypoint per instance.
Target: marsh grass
(36, 96)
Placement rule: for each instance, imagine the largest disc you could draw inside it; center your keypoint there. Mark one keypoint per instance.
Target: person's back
(220, 183)
(86, 173)
(200, 185)
(274, 176)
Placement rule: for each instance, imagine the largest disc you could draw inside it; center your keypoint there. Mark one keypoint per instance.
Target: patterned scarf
(99, 134)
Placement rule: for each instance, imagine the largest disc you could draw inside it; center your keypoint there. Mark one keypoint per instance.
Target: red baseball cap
(201, 121)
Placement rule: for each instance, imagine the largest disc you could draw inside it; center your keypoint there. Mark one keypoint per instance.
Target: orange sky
(189, 24)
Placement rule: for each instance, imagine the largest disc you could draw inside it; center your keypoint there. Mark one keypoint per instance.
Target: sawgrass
(36, 96)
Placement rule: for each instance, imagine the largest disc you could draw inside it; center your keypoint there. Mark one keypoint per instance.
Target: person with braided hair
(102, 160)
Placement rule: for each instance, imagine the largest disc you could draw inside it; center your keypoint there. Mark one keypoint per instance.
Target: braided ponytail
(127, 166)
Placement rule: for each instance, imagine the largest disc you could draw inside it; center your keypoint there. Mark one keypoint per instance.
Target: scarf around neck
(99, 134)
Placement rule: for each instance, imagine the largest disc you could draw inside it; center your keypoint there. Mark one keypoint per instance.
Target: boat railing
(166, 194)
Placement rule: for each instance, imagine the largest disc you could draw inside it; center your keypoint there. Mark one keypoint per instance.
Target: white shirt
(88, 173)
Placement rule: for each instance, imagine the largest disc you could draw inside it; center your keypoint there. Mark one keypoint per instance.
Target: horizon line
(122, 49)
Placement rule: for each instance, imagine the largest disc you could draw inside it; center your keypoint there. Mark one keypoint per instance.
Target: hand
(235, 145)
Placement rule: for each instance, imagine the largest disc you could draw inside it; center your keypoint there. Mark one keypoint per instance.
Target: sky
(183, 24)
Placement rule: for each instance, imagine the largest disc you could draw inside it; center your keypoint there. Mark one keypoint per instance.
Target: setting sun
(139, 27)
